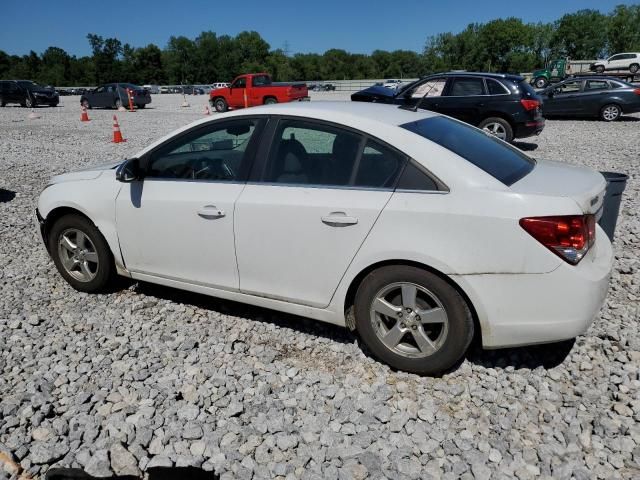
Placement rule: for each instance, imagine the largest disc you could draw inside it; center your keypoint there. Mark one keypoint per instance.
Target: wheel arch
(267, 97)
(356, 281)
(498, 114)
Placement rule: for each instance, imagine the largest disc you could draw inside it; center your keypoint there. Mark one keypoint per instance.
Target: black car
(503, 105)
(114, 95)
(27, 93)
(603, 97)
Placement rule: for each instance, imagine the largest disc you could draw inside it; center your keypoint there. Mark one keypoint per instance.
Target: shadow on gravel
(6, 195)
(156, 473)
(525, 146)
(236, 309)
(546, 356)
(623, 118)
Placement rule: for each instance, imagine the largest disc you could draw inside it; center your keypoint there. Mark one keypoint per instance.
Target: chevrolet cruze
(414, 229)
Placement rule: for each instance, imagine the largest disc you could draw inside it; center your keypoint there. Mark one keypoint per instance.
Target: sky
(306, 26)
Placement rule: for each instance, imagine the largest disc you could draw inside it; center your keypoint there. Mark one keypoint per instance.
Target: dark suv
(504, 105)
(27, 93)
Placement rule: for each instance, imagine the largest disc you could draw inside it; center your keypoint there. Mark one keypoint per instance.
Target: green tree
(623, 33)
(581, 35)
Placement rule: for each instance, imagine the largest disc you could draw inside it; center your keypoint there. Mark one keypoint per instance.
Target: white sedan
(412, 228)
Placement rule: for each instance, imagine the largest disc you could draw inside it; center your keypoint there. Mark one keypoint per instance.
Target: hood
(537, 73)
(376, 91)
(84, 174)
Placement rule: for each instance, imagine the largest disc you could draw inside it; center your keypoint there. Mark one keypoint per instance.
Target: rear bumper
(529, 128)
(528, 309)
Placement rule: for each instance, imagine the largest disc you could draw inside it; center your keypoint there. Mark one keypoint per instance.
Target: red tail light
(530, 104)
(637, 91)
(568, 236)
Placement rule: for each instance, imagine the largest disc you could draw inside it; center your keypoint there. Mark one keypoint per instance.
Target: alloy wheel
(409, 320)
(78, 255)
(610, 113)
(494, 128)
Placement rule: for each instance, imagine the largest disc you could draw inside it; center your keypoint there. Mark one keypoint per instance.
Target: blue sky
(307, 26)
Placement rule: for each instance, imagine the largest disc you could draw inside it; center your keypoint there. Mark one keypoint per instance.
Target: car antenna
(419, 102)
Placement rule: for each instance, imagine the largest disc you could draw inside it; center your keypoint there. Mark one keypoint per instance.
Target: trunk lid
(558, 179)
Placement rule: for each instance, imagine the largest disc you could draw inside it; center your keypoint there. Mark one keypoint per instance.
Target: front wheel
(634, 68)
(81, 253)
(610, 113)
(2, 102)
(220, 105)
(600, 69)
(141, 106)
(29, 102)
(540, 82)
(85, 103)
(497, 127)
(118, 104)
(412, 319)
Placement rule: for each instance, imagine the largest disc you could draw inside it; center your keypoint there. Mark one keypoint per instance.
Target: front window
(216, 152)
(29, 85)
(499, 159)
(569, 87)
(240, 83)
(431, 88)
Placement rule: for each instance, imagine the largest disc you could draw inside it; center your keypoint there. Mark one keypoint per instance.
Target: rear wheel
(270, 101)
(412, 319)
(600, 69)
(610, 113)
(498, 127)
(633, 68)
(141, 106)
(2, 102)
(81, 253)
(540, 82)
(220, 105)
(118, 103)
(29, 102)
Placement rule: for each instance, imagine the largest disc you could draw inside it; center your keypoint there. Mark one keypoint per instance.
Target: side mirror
(129, 171)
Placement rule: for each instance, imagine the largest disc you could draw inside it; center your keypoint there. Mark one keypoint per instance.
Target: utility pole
(285, 48)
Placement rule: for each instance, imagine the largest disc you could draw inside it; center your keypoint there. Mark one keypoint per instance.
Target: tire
(85, 103)
(29, 102)
(499, 127)
(610, 112)
(220, 104)
(78, 267)
(634, 67)
(540, 82)
(117, 104)
(270, 101)
(141, 106)
(449, 333)
(600, 69)
(2, 102)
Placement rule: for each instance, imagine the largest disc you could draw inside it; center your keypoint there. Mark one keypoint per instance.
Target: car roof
(504, 76)
(594, 77)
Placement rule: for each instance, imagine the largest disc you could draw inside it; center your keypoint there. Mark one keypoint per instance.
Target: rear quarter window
(497, 158)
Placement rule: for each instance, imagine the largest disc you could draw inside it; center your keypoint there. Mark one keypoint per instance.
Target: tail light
(568, 236)
(530, 104)
(637, 91)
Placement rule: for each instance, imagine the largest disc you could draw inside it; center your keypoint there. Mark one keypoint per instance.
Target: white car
(215, 86)
(392, 84)
(412, 228)
(619, 61)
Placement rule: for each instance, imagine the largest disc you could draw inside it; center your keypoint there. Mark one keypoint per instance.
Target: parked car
(153, 89)
(258, 89)
(503, 105)
(164, 90)
(619, 61)
(392, 84)
(27, 94)
(603, 97)
(114, 95)
(410, 227)
(219, 85)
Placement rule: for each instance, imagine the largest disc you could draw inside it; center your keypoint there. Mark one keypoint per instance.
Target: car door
(97, 98)
(594, 96)
(318, 192)
(464, 98)
(178, 222)
(237, 93)
(428, 94)
(615, 62)
(564, 99)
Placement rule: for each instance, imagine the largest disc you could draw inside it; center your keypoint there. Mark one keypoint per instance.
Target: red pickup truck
(256, 89)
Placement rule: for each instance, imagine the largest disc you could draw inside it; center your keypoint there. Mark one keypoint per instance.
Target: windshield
(29, 84)
(499, 159)
(130, 86)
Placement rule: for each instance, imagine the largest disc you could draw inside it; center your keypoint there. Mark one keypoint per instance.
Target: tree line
(502, 45)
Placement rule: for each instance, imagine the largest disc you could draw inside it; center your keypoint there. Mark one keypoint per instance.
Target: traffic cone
(185, 104)
(206, 110)
(33, 115)
(84, 117)
(117, 135)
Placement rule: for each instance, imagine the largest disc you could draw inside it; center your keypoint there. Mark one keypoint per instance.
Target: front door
(178, 222)
(318, 196)
(428, 94)
(565, 99)
(237, 92)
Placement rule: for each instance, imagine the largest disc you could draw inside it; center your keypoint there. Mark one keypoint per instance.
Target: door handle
(211, 211)
(339, 219)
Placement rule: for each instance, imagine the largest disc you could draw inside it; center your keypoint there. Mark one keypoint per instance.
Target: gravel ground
(149, 376)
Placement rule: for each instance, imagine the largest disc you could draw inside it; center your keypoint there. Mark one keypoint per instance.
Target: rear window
(500, 160)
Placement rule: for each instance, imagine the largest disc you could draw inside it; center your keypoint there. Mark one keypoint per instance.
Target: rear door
(464, 99)
(594, 96)
(319, 192)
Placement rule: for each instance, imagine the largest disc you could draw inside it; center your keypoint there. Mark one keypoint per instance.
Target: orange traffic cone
(84, 117)
(117, 135)
(206, 110)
